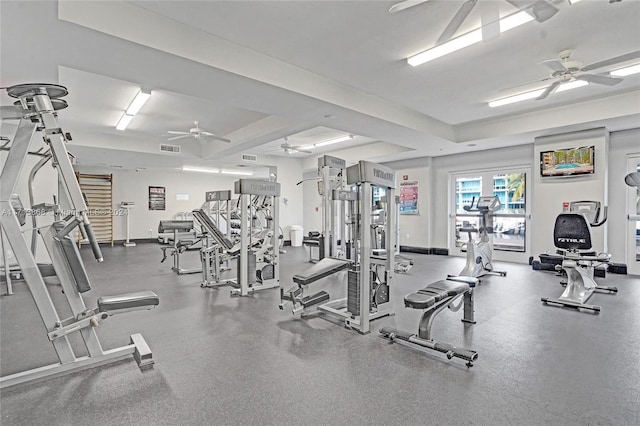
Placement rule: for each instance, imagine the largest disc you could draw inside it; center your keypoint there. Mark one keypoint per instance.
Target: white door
(633, 219)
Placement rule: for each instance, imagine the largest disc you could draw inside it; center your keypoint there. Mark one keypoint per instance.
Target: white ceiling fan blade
(212, 136)
(405, 5)
(613, 61)
(490, 19)
(599, 79)
(555, 64)
(549, 90)
(179, 137)
(173, 132)
(457, 20)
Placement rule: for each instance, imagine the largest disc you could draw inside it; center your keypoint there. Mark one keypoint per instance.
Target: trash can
(296, 235)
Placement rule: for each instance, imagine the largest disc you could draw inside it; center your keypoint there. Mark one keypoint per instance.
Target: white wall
(549, 193)
(544, 204)
(416, 229)
(129, 185)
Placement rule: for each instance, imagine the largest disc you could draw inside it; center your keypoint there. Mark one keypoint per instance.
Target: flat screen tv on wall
(568, 162)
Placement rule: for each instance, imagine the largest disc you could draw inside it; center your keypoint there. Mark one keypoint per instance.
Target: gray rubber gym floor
(228, 361)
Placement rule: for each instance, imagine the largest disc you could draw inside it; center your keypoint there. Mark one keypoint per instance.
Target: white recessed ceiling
(256, 72)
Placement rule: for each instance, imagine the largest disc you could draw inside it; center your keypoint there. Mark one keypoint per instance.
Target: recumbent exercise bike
(572, 238)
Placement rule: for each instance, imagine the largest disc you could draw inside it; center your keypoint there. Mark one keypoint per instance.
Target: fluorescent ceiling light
(517, 98)
(137, 102)
(232, 172)
(573, 1)
(124, 121)
(535, 93)
(199, 169)
(507, 23)
(571, 85)
(328, 142)
(133, 109)
(215, 171)
(623, 72)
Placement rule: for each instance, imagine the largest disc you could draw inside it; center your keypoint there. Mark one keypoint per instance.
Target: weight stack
(353, 292)
(251, 269)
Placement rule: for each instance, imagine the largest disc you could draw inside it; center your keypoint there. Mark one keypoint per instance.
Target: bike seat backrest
(572, 232)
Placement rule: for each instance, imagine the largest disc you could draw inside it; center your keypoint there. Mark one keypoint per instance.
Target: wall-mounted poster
(409, 197)
(157, 198)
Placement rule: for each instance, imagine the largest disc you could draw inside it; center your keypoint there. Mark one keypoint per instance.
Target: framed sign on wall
(157, 198)
(409, 197)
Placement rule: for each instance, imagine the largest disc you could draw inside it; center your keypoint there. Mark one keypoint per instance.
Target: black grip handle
(97, 253)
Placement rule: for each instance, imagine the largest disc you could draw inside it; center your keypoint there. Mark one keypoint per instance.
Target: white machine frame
(36, 109)
(364, 176)
(245, 188)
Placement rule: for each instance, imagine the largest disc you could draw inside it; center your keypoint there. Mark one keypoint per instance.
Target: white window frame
(487, 179)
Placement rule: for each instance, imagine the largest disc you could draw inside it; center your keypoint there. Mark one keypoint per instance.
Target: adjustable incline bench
(325, 267)
(433, 299)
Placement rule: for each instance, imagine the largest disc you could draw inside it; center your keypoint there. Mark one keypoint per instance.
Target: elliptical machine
(480, 251)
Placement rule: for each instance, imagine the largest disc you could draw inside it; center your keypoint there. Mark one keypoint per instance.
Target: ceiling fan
(292, 149)
(197, 133)
(490, 15)
(565, 70)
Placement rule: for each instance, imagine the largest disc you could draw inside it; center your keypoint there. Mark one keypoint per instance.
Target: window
(509, 221)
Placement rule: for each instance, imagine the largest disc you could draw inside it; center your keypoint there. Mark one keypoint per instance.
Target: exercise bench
(434, 298)
(324, 268)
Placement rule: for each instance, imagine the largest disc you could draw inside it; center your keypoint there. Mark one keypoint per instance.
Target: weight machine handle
(97, 253)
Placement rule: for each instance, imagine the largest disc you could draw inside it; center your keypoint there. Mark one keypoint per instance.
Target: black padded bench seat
(129, 301)
(324, 268)
(435, 292)
(311, 241)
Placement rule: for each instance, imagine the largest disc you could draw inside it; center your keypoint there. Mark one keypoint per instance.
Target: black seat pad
(434, 293)
(323, 268)
(128, 301)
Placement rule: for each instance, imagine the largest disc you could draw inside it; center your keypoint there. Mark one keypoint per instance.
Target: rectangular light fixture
(137, 103)
(124, 121)
(215, 171)
(328, 142)
(199, 169)
(573, 1)
(572, 85)
(623, 72)
(233, 172)
(535, 93)
(507, 23)
(134, 107)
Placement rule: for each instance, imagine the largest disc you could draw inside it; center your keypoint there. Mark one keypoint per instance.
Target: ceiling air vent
(250, 158)
(174, 149)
